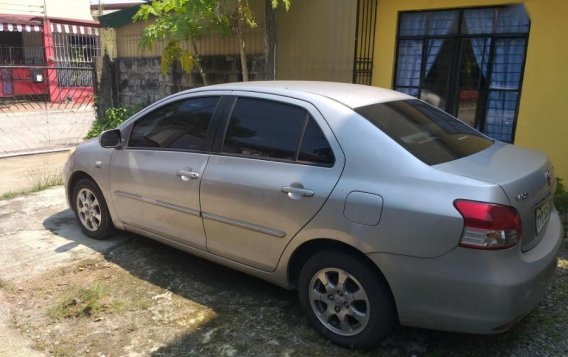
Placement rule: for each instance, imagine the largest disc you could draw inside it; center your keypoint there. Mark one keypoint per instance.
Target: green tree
(242, 16)
(238, 15)
(183, 21)
(179, 22)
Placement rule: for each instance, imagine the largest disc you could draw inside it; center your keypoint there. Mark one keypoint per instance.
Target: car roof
(351, 95)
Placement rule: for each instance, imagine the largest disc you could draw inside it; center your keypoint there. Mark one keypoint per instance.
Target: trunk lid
(526, 176)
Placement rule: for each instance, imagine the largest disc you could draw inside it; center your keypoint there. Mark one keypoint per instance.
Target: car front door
(267, 177)
(155, 179)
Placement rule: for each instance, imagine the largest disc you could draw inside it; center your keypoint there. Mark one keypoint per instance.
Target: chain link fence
(44, 108)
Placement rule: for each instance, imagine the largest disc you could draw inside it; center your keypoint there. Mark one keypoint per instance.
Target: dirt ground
(130, 296)
(22, 172)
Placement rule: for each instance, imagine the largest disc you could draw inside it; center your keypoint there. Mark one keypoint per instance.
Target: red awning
(20, 23)
(19, 28)
(74, 29)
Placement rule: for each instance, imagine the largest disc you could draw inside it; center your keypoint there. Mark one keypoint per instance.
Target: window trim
(453, 89)
(211, 129)
(227, 113)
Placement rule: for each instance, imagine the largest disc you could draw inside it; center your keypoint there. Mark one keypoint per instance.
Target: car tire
(91, 211)
(357, 313)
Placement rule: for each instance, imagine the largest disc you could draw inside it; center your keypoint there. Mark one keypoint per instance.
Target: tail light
(488, 225)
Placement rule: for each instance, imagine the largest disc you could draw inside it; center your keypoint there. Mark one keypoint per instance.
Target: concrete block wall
(139, 82)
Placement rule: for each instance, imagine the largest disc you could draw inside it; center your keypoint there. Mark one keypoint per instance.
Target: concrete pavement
(38, 234)
(31, 234)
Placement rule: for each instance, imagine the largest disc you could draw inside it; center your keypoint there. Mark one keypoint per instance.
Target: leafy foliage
(561, 197)
(173, 52)
(286, 3)
(242, 14)
(113, 117)
(178, 22)
(176, 19)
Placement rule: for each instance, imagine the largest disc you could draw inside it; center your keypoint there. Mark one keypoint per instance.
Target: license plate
(542, 214)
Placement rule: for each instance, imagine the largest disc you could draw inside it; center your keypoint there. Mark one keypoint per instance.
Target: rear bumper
(472, 291)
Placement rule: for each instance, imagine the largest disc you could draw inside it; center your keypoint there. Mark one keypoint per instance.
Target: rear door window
(428, 133)
(315, 147)
(273, 130)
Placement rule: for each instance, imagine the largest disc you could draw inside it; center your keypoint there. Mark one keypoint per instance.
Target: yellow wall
(543, 113)
(315, 40)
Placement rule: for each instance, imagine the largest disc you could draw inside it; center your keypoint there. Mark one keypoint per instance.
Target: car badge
(548, 176)
(522, 196)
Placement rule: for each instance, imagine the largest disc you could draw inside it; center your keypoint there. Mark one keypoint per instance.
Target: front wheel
(91, 212)
(346, 300)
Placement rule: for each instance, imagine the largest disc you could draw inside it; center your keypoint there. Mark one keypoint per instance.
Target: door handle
(187, 174)
(296, 193)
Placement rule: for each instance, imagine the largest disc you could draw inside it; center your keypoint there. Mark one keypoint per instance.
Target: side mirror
(111, 139)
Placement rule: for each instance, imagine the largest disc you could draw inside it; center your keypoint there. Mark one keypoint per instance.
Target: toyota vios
(377, 207)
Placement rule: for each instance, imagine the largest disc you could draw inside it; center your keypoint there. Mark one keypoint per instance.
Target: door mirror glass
(110, 139)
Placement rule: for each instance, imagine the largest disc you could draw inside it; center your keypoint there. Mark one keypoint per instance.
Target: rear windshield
(428, 133)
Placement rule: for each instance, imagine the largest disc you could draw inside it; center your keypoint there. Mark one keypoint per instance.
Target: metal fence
(22, 55)
(61, 87)
(365, 41)
(43, 108)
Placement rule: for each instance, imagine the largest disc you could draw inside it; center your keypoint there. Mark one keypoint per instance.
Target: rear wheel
(346, 300)
(91, 212)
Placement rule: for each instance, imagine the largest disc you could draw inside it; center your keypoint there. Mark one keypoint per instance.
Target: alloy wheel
(339, 301)
(89, 209)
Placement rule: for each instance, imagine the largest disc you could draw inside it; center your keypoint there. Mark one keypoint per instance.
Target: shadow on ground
(63, 224)
(255, 318)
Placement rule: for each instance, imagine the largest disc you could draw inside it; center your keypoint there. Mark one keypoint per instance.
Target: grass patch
(40, 180)
(7, 286)
(11, 194)
(62, 351)
(79, 302)
(561, 196)
(118, 306)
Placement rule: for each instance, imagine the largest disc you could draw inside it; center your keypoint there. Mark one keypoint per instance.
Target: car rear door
(155, 179)
(274, 165)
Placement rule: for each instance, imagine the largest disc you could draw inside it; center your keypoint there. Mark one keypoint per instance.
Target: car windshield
(428, 133)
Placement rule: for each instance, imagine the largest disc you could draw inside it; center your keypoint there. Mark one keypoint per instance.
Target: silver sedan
(377, 207)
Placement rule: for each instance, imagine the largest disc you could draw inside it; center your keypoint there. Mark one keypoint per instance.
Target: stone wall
(137, 82)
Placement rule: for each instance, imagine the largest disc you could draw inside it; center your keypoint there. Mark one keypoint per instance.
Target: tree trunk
(244, 67)
(270, 41)
(197, 62)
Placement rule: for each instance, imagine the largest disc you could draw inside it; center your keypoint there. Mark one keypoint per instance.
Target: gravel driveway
(63, 294)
